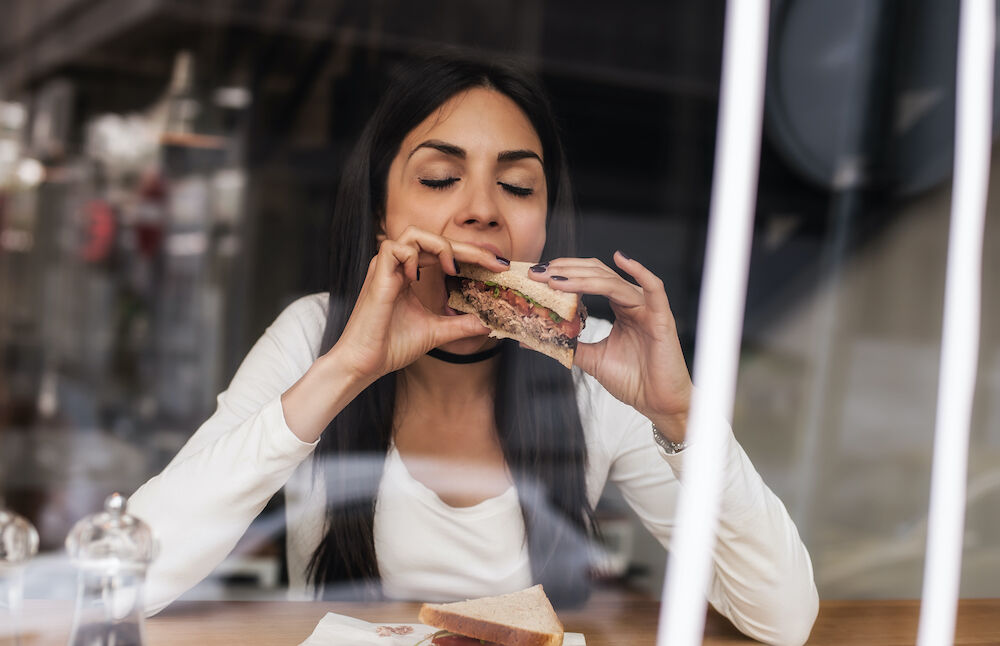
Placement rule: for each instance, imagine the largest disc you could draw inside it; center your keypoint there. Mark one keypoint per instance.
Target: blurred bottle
(18, 543)
(112, 550)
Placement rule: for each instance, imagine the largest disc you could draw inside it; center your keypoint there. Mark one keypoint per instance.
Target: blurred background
(167, 170)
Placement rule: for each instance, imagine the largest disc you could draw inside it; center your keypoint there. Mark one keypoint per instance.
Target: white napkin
(341, 630)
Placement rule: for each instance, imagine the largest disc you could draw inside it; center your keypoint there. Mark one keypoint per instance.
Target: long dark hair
(536, 411)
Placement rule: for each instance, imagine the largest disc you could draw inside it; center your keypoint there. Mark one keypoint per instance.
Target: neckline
(396, 465)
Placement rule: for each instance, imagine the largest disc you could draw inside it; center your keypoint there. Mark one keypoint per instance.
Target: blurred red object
(99, 231)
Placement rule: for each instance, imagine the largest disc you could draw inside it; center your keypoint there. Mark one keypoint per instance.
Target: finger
(448, 251)
(559, 266)
(539, 272)
(617, 290)
(395, 255)
(431, 248)
(579, 263)
(452, 328)
(466, 252)
(652, 286)
(588, 355)
(558, 273)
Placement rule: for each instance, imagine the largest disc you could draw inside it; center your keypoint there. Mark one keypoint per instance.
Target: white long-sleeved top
(204, 500)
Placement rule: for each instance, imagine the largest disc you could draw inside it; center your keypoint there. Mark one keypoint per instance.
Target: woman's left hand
(640, 362)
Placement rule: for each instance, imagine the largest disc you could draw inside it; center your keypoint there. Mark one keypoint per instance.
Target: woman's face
(472, 171)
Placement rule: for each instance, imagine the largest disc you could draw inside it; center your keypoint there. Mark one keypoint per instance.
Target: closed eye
(439, 183)
(517, 191)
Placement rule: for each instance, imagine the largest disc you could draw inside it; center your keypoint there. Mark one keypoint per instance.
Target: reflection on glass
(111, 550)
(18, 543)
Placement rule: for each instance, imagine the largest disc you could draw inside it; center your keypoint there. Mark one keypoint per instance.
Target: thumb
(588, 356)
(452, 328)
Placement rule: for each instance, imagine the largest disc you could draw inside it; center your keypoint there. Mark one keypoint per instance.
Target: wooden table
(610, 618)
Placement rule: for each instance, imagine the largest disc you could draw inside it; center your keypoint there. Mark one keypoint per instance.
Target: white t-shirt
(204, 500)
(486, 551)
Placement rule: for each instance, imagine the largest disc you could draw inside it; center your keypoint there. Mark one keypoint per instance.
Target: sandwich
(515, 307)
(524, 618)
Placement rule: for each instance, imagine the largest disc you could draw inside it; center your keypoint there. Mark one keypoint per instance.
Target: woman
(445, 465)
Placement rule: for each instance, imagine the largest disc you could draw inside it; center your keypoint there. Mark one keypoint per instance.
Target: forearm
(323, 391)
(200, 506)
(763, 576)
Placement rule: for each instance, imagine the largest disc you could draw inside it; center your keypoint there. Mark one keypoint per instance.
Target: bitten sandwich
(515, 307)
(524, 618)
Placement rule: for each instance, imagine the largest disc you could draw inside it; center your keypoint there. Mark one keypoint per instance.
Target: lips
(489, 247)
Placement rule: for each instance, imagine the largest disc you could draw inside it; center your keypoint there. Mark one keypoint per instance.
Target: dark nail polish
(559, 278)
(623, 255)
(418, 273)
(540, 267)
(503, 261)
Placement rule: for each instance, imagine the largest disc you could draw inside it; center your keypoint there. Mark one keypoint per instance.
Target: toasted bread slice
(507, 323)
(565, 304)
(523, 618)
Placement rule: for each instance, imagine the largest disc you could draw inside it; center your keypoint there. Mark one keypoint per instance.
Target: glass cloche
(18, 538)
(111, 550)
(111, 537)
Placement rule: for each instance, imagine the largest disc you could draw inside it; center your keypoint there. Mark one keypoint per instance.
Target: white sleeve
(203, 501)
(762, 579)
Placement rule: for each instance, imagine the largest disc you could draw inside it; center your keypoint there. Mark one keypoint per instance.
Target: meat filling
(511, 311)
(451, 639)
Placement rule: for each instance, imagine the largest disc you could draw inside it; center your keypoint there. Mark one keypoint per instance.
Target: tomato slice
(570, 327)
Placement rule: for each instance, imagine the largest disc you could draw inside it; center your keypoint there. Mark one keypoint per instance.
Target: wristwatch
(669, 446)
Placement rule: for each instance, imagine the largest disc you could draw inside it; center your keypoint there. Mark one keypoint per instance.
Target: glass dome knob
(18, 538)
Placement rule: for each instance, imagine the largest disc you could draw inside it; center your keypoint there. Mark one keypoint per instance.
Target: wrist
(672, 427)
(341, 365)
(320, 394)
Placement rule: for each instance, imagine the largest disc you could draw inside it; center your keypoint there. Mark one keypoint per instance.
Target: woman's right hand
(389, 327)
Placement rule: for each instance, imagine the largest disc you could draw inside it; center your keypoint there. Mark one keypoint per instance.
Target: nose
(481, 211)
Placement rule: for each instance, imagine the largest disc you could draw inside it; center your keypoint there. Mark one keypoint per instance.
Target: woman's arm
(202, 502)
(762, 579)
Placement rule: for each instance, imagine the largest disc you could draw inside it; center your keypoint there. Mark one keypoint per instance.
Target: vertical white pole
(960, 334)
(720, 319)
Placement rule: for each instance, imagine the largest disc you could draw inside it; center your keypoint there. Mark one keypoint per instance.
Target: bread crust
(486, 630)
(507, 627)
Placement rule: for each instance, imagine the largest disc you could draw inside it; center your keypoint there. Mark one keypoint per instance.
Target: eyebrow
(454, 151)
(515, 155)
(448, 149)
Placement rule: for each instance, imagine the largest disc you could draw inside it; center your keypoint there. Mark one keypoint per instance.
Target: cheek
(529, 237)
(404, 207)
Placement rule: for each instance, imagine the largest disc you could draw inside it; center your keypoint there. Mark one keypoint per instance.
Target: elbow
(157, 597)
(792, 624)
(781, 618)
(795, 631)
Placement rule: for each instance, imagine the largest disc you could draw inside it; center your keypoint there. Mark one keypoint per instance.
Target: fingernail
(540, 267)
(623, 255)
(503, 261)
(418, 273)
(559, 278)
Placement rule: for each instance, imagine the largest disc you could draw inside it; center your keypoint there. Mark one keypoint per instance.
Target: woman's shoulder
(309, 309)
(301, 324)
